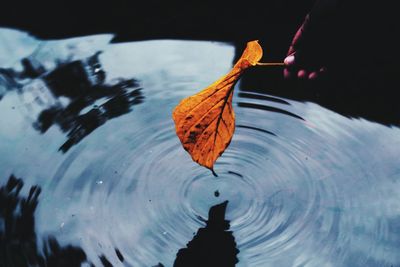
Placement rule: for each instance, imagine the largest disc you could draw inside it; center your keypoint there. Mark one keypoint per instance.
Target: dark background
(150, 19)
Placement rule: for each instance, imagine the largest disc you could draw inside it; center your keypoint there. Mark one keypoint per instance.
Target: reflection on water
(18, 240)
(305, 185)
(73, 96)
(212, 245)
(83, 84)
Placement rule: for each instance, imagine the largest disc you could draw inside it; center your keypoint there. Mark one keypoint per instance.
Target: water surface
(306, 186)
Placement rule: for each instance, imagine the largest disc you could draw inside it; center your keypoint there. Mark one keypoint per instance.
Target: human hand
(310, 50)
(295, 65)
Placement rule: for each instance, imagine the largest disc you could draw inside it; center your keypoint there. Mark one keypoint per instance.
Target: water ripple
(306, 186)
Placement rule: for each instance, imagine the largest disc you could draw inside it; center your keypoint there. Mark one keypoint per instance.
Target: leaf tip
(253, 53)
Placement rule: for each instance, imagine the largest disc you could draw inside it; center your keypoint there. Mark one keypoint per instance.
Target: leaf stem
(271, 64)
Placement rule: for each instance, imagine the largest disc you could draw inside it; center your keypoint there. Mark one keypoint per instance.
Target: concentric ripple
(306, 186)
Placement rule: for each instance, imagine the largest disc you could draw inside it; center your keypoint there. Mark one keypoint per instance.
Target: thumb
(300, 36)
(289, 61)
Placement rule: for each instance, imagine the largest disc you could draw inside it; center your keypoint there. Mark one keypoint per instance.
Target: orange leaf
(205, 122)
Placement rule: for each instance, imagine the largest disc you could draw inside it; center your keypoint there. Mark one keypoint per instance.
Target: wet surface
(89, 123)
(18, 240)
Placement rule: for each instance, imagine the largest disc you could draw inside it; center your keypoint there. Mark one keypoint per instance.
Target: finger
(302, 74)
(317, 73)
(299, 36)
(287, 74)
(313, 75)
(289, 60)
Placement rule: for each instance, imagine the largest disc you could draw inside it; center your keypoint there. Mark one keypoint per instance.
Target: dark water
(305, 186)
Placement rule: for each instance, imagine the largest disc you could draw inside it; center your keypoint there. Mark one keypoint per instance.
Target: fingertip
(313, 75)
(289, 60)
(301, 74)
(287, 74)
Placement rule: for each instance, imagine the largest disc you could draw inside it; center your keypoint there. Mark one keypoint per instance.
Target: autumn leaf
(205, 122)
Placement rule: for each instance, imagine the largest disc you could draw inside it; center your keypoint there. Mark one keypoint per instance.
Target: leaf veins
(205, 122)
